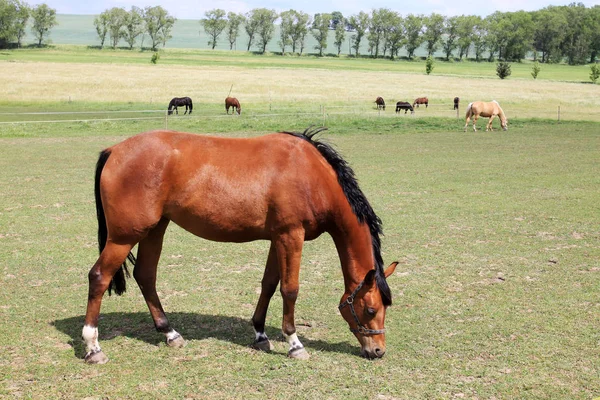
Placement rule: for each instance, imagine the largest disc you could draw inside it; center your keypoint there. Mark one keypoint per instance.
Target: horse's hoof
(96, 358)
(299, 354)
(176, 342)
(263, 345)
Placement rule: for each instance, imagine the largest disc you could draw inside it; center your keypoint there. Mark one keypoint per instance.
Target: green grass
(496, 295)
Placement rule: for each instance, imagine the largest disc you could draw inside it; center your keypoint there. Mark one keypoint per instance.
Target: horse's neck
(355, 249)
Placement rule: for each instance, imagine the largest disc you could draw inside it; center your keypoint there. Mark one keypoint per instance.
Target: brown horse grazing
(234, 103)
(380, 103)
(153, 178)
(180, 102)
(421, 100)
(456, 101)
(404, 105)
(485, 109)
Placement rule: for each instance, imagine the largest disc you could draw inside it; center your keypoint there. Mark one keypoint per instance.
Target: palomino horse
(153, 178)
(180, 102)
(380, 103)
(421, 100)
(485, 109)
(234, 104)
(404, 105)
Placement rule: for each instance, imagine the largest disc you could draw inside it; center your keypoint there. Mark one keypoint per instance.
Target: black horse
(403, 105)
(180, 102)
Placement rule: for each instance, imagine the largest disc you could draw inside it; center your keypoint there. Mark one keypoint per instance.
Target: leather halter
(363, 330)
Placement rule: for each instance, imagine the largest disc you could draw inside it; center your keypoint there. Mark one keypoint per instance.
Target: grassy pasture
(497, 234)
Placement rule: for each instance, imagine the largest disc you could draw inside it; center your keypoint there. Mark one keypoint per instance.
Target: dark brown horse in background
(153, 178)
(180, 102)
(380, 103)
(234, 104)
(404, 105)
(421, 100)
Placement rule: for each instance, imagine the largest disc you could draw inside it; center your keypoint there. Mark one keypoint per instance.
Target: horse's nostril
(379, 352)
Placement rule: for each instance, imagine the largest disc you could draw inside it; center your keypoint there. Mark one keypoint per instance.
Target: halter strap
(363, 330)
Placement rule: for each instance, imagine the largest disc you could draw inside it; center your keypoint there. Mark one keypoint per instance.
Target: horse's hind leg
(144, 273)
(467, 122)
(112, 257)
(269, 285)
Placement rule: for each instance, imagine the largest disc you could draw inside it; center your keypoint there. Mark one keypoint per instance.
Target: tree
(23, 12)
(379, 29)
(535, 70)
(251, 27)
(360, 24)
(594, 72)
(116, 24)
(434, 28)
(214, 24)
(158, 25)
(550, 25)
(429, 65)
(320, 31)
(133, 26)
(395, 39)
(44, 19)
(285, 29)
(466, 33)
(340, 36)
(233, 27)
(101, 24)
(266, 26)
(450, 41)
(576, 43)
(413, 25)
(299, 29)
(337, 18)
(503, 69)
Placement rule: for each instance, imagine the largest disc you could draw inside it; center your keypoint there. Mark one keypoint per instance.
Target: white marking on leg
(293, 341)
(260, 336)
(172, 335)
(90, 338)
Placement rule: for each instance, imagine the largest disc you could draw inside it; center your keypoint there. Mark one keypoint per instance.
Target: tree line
(14, 17)
(553, 34)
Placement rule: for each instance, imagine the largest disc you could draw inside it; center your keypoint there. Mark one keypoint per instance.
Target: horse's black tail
(118, 281)
(191, 106)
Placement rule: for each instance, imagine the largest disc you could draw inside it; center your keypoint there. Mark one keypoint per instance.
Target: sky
(195, 9)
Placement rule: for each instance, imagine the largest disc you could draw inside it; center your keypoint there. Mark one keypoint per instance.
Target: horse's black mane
(359, 203)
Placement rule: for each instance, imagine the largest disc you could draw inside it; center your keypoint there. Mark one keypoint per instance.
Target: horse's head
(239, 109)
(364, 311)
(504, 124)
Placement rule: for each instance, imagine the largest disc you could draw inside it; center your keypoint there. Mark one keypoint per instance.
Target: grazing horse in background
(421, 100)
(404, 105)
(380, 103)
(485, 109)
(234, 104)
(456, 101)
(150, 179)
(180, 102)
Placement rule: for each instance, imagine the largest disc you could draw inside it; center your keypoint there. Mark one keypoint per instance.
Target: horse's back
(228, 189)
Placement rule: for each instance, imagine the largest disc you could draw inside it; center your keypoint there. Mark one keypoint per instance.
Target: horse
(152, 178)
(421, 100)
(404, 105)
(234, 103)
(456, 101)
(180, 102)
(380, 103)
(485, 109)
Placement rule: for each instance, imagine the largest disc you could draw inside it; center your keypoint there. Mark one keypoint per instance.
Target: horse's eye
(371, 311)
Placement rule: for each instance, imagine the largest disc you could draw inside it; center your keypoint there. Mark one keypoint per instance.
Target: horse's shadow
(192, 326)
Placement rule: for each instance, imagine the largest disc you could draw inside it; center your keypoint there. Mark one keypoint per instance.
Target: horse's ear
(390, 270)
(370, 278)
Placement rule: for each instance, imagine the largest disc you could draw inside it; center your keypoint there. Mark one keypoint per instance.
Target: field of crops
(497, 234)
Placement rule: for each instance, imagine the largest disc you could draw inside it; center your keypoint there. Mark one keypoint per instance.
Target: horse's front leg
(109, 262)
(144, 273)
(289, 253)
(269, 285)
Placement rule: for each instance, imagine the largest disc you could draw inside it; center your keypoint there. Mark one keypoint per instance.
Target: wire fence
(321, 112)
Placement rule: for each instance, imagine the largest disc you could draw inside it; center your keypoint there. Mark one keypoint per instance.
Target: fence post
(166, 120)
(324, 116)
(559, 113)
